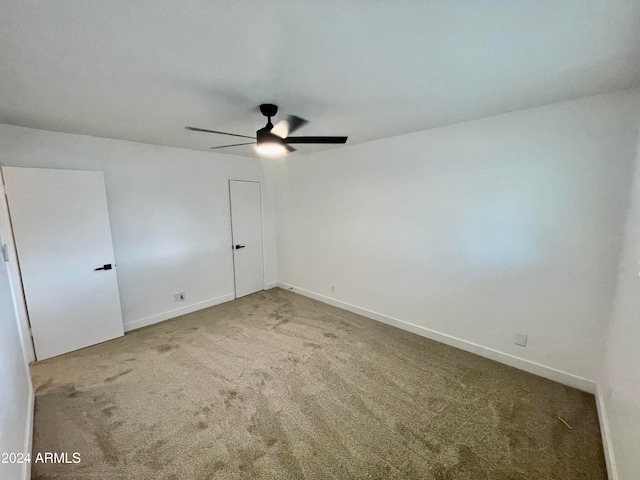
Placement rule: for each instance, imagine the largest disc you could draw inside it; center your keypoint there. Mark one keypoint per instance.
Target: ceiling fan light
(268, 144)
(271, 149)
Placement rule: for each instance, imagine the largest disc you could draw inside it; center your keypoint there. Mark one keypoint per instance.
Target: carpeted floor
(279, 386)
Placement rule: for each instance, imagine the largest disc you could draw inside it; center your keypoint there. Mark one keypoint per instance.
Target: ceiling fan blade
(195, 129)
(287, 126)
(316, 139)
(234, 145)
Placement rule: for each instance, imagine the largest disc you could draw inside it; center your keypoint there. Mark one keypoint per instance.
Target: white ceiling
(143, 69)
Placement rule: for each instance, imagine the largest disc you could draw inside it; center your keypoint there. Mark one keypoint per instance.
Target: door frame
(233, 264)
(15, 276)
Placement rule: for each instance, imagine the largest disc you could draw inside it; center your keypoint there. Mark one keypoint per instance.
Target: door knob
(104, 267)
(239, 246)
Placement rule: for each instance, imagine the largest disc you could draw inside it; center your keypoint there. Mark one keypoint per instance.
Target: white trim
(271, 285)
(505, 358)
(230, 224)
(612, 471)
(28, 434)
(15, 278)
(161, 317)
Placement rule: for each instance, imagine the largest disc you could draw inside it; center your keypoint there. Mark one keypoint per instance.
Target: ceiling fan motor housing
(264, 135)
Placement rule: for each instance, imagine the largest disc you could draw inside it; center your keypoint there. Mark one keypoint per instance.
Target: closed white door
(246, 230)
(63, 239)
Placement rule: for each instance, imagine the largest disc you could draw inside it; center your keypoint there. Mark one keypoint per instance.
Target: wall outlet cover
(521, 339)
(178, 297)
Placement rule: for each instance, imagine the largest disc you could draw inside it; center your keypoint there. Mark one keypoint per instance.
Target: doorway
(246, 234)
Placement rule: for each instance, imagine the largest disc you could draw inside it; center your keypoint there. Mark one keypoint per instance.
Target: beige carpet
(279, 386)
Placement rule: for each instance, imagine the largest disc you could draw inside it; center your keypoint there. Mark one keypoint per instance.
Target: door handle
(239, 246)
(104, 267)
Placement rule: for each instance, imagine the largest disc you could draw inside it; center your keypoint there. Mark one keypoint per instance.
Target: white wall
(479, 230)
(16, 394)
(620, 382)
(169, 212)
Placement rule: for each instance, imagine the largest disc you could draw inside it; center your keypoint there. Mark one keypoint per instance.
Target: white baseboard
(612, 471)
(510, 360)
(161, 317)
(28, 433)
(271, 285)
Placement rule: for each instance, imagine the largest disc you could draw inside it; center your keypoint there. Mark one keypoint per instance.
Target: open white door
(63, 239)
(246, 230)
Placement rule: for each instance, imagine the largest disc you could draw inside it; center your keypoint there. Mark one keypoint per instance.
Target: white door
(246, 230)
(63, 238)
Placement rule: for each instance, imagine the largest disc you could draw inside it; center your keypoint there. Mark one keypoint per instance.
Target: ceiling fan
(275, 140)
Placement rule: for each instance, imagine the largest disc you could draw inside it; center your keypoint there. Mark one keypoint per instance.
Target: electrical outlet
(521, 339)
(333, 289)
(178, 297)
